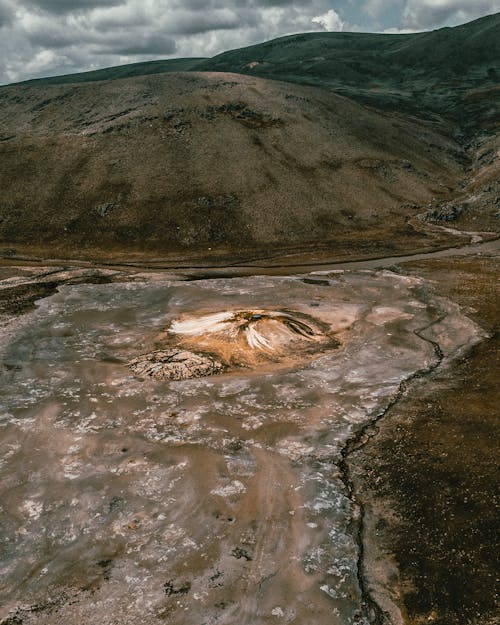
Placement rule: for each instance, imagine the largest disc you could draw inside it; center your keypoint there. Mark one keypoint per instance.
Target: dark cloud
(96, 43)
(51, 39)
(6, 13)
(192, 24)
(70, 6)
(236, 5)
(148, 46)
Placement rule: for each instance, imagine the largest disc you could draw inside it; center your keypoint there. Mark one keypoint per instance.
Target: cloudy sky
(50, 37)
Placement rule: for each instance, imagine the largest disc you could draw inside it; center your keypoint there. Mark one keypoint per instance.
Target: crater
(218, 342)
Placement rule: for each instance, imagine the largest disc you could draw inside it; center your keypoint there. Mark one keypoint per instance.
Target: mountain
(323, 143)
(439, 72)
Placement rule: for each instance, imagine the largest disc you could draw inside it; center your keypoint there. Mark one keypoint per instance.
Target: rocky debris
(488, 157)
(19, 615)
(409, 206)
(476, 205)
(175, 364)
(241, 112)
(316, 281)
(172, 114)
(384, 169)
(176, 121)
(444, 212)
(116, 504)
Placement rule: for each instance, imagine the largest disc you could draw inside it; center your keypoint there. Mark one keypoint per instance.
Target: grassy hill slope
(183, 162)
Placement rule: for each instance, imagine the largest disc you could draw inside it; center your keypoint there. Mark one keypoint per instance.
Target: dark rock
(104, 209)
(317, 282)
(215, 580)
(116, 504)
(239, 552)
(106, 565)
(181, 589)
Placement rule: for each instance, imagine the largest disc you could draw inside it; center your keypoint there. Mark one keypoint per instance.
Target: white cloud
(330, 21)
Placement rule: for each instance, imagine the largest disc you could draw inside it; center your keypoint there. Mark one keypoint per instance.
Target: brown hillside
(177, 163)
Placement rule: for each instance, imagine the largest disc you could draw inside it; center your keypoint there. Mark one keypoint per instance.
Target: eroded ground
(428, 478)
(217, 500)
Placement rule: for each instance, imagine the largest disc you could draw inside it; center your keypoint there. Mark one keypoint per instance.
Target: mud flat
(214, 500)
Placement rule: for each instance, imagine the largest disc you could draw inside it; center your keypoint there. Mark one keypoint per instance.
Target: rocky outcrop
(175, 364)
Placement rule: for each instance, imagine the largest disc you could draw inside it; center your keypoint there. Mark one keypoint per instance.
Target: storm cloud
(63, 6)
(49, 37)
